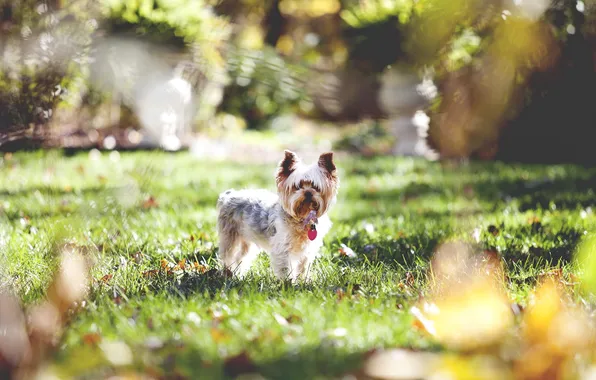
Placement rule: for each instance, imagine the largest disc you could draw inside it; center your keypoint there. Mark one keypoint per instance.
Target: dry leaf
(218, 335)
(92, 339)
(421, 321)
(117, 353)
(344, 250)
(150, 203)
(533, 220)
(150, 273)
(14, 345)
(199, 268)
(106, 278)
(281, 320)
(399, 364)
(294, 319)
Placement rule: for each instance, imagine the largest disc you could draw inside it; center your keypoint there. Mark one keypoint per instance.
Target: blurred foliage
(586, 259)
(41, 45)
(493, 61)
(177, 22)
(369, 139)
(358, 14)
(264, 86)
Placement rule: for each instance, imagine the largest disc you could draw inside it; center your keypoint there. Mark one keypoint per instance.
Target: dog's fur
(251, 220)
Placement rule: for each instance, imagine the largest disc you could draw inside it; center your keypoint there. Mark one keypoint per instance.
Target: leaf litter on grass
(456, 297)
(468, 312)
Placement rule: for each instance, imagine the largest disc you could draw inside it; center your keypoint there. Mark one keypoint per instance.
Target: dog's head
(303, 188)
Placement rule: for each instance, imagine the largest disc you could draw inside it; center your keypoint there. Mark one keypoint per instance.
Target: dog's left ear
(326, 162)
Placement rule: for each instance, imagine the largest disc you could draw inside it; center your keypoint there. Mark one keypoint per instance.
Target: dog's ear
(286, 166)
(326, 162)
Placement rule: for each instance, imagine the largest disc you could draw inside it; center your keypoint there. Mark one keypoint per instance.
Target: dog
(289, 225)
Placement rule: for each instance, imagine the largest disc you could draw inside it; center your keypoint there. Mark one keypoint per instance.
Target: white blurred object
(403, 96)
(166, 110)
(530, 9)
(411, 133)
(166, 92)
(400, 92)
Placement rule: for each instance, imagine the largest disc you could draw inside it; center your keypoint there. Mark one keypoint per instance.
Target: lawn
(148, 221)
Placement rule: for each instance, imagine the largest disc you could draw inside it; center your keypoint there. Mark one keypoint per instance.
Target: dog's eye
(316, 189)
(295, 187)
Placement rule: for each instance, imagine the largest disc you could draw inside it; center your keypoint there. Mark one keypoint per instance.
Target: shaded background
(488, 79)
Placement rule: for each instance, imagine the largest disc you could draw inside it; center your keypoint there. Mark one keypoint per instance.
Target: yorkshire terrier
(289, 226)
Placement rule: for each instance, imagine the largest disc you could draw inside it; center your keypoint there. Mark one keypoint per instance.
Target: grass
(137, 212)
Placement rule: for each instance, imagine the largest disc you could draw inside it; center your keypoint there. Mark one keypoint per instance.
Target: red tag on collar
(312, 232)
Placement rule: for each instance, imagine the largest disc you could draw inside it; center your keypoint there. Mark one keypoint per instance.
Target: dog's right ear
(286, 166)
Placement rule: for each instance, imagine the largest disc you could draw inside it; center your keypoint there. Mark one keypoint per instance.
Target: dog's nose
(308, 195)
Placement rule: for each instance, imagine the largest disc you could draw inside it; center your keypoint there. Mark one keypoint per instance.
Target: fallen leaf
(399, 364)
(238, 365)
(117, 353)
(199, 268)
(92, 339)
(150, 273)
(346, 251)
(421, 322)
(294, 319)
(150, 203)
(281, 320)
(14, 345)
(106, 278)
(218, 335)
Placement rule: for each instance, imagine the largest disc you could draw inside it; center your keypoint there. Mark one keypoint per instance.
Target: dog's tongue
(312, 232)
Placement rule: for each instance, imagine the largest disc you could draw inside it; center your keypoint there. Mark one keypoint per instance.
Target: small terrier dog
(289, 225)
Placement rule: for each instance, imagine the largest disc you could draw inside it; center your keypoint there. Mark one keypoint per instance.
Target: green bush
(263, 86)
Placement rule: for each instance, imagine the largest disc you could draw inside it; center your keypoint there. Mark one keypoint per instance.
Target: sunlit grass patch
(147, 222)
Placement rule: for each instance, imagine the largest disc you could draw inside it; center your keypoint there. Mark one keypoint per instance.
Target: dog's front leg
(280, 261)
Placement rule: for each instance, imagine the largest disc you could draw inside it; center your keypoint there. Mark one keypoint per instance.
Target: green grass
(391, 212)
